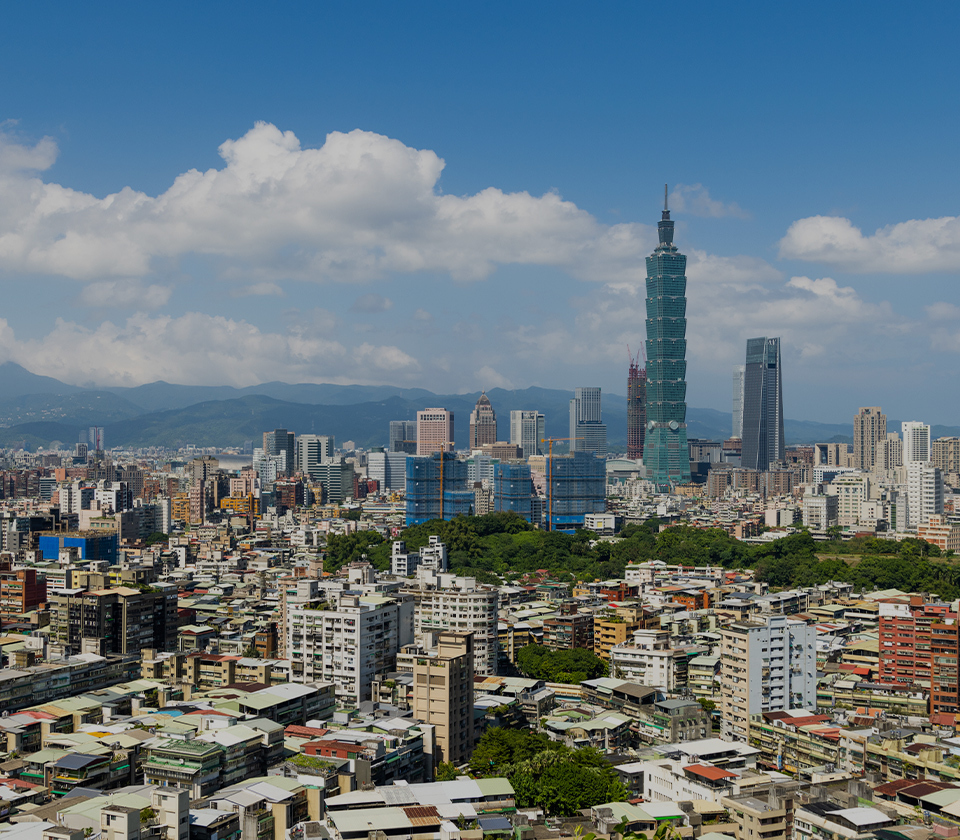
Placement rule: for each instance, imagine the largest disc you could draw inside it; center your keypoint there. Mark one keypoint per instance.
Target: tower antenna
(665, 208)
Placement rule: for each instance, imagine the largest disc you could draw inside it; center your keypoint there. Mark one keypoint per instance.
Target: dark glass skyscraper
(665, 452)
(762, 405)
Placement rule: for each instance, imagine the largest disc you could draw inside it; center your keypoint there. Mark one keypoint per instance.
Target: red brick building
(920, 645)
(21, 591)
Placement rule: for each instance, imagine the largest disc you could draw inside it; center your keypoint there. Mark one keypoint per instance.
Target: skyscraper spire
(665, 226)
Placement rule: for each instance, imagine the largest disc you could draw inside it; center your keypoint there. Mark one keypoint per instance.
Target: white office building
(527, 430)
(311, 451)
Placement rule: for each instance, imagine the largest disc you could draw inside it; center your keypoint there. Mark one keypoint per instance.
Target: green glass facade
(665, 452)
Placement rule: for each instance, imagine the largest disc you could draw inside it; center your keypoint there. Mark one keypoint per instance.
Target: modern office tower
(280, 441)
(269, 467)
(762, 433)
(335, 476)
(665, 453)
(738, 377)
(636, 408)
(351, 641)
(513, 489)
(587, 432)
(527, 430)
(121, 620)
(574, 485)
(483, 423)
(767, 665)
(945, 454)
(403, 436)
(924, 492)
(443, 695)
(424, 479)
(919, 645)
(389, 468)
(311, 451)
(916, 441)
(869, 431)
(434, 431)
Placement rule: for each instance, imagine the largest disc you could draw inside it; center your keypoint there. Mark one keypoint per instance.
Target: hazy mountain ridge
(37, 410)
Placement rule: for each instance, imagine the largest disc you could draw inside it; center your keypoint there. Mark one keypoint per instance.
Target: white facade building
(924, 492)
(916, 442)
(527, 430)
(765, 666)
(648, 659)
(311, 451)
(348, 643)
(448, 602)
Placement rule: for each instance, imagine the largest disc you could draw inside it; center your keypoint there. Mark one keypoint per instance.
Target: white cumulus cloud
(918, 245)
(197, 349)
(357, 208)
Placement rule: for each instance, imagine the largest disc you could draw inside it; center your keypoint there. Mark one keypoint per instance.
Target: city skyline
(286, 256)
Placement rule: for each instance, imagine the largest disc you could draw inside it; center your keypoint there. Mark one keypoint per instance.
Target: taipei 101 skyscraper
(665, 452)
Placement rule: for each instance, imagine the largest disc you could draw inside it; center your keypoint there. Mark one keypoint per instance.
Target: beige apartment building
(443, 695)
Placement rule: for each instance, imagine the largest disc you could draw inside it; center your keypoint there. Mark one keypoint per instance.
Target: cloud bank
(360, 207)
(915, 246)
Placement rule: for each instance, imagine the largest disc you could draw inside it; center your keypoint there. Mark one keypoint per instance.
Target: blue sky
(459, 196)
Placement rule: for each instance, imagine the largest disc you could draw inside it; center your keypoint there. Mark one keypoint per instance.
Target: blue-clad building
(424, 500)
(575, 485)
(513, 489)
(93, 545)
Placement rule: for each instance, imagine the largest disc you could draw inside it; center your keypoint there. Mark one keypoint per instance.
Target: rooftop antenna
(665, 208)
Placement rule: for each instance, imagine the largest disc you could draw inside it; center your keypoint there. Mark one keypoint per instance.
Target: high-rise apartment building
(311, 451)
(919, 646)
(527, 430)
(636, 408)
(347, 643)
(767, 665)
(280, 441)
(483, 423)
(665, 453)
(587, 431)
(574, 486)
(869, 433)
(945, 454)
(737, 414)
(762, 432)
(403, 436)
(443, 695)
(120, 620)
(924, 492)
(21, 591)
(437, 488)
(513, 489)
(434, 431)
(448, 602)
(916, 442)
(891, 453)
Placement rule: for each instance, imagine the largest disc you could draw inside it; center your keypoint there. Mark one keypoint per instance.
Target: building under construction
(636, 407)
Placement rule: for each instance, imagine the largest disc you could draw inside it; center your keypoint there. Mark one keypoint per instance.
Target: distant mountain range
(39, 410)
